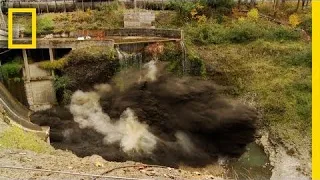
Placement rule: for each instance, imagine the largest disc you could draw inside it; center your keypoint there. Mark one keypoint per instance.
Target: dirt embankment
(285, 164)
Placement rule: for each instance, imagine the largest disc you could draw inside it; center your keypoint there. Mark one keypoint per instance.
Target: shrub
(283, 33)
(222, 6)
(294, 20)
(106, 17)
(11, 70)
(240, 31)
(61, 87)
(306, 24)
(197, 66)
(253, 14)
(209, 33)
(183, 8)
(55, 65)
(45, 25)
(90, 54)
(301, 58)
(171, 52)
(110, 7)
(244, 31)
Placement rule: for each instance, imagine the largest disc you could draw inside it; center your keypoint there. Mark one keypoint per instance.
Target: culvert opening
(155, 118)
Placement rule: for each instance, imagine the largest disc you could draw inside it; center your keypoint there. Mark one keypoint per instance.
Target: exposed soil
(285, 164)
(67, 162)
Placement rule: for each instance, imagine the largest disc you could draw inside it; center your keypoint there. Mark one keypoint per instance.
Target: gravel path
(66, 161)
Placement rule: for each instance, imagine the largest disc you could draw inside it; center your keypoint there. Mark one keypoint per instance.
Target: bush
(306, 24)
(106, 17)
(90, 54)
(11, 70)
(240, 31)
(61, 87)
(294, 20)
(301, 58)
(253, 14)
(209, 33)
(202, 8)
(55, 65)
(183, 9)
(172, 53)
(283, 33)
(222, 6)
(45, 25)
(197, 66)
(244, 31)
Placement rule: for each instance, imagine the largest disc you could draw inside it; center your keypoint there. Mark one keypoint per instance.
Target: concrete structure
(39, 87)
(38, 82)
(18, 115)
(137, 19)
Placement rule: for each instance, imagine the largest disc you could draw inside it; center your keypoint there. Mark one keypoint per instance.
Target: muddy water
(253, 164)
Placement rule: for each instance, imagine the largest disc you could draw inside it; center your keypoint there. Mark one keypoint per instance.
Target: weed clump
(15, 137)
(82, 55)
(239, 31)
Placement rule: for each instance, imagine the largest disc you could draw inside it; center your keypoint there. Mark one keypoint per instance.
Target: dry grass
(281, 89)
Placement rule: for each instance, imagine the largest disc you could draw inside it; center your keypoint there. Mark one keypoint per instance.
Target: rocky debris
(285, 164)
(67, 162)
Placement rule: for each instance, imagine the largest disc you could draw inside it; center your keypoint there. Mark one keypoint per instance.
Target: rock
(98, 164)
(48, 36)
(291, 151)
(64, 35)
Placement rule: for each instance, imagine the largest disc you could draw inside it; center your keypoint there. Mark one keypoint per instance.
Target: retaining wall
(165, 33)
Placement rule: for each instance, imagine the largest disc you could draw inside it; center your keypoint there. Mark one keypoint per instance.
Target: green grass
(88, 54)
(266, 64)
(105, 17)
(276, 75)
(15, 137)
(239, 31)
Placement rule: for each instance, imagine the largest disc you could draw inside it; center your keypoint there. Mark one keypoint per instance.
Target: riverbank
(285, 164)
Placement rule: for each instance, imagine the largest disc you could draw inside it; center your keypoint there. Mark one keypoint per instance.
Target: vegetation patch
(239, 31)
(15, 137)
(275, 75)
(82, 55)
(11, 70)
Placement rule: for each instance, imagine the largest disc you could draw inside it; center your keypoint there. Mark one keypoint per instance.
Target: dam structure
(39, 83)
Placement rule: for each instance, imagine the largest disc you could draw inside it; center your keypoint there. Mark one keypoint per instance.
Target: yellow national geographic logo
(33, 44)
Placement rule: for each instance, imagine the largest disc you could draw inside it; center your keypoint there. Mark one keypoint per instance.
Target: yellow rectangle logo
(33, 44)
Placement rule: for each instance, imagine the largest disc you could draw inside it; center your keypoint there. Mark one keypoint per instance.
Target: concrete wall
(139, 19)
(165, 33)
(61, 43)
(40, 90)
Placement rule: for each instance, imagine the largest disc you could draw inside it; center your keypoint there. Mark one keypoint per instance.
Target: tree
(276, 7)
(298, 4)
